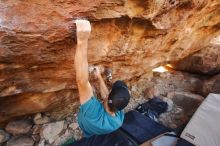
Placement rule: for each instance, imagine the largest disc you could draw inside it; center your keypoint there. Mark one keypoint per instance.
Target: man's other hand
(83, 29)
(97, 72)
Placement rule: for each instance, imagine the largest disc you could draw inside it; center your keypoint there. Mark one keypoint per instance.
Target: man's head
(119, 96)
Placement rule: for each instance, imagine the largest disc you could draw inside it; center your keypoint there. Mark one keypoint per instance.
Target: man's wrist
(99, 77)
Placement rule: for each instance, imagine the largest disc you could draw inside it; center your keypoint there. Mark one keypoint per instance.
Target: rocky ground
(39, 130)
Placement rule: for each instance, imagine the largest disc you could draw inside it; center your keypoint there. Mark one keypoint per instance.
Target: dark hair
(119, 96)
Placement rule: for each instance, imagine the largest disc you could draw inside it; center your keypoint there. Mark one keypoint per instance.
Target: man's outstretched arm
(81, 62)
(102, 86)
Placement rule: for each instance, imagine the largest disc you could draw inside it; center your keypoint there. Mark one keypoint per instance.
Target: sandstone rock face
(177, 82)
(37, 45)
(205, 61)
(168, 83)
(212, 85)
(189, 102)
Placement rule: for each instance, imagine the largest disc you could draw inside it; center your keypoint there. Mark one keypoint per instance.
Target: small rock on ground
(19, 126)
(4, 136)
(42, 142)
(20, 140)
(41, 119)
(51, 131)
(74, 126)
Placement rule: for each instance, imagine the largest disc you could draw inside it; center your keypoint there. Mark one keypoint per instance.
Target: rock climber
(94, 117)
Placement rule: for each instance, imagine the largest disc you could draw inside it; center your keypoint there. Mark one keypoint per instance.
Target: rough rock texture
(177, 81)
(4, 136)
(21, 140)
(41, 119)
(205, 61)
(212, 85)
(37, 43)
(51, 131)
(187, 101)
(19, 126)
(167, 83)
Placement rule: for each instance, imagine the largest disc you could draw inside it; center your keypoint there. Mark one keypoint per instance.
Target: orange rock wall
(37, 45)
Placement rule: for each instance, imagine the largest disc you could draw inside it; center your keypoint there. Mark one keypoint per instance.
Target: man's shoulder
(92, 107)
(92, 100)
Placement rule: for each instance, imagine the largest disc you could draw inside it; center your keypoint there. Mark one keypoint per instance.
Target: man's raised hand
(83, 29)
